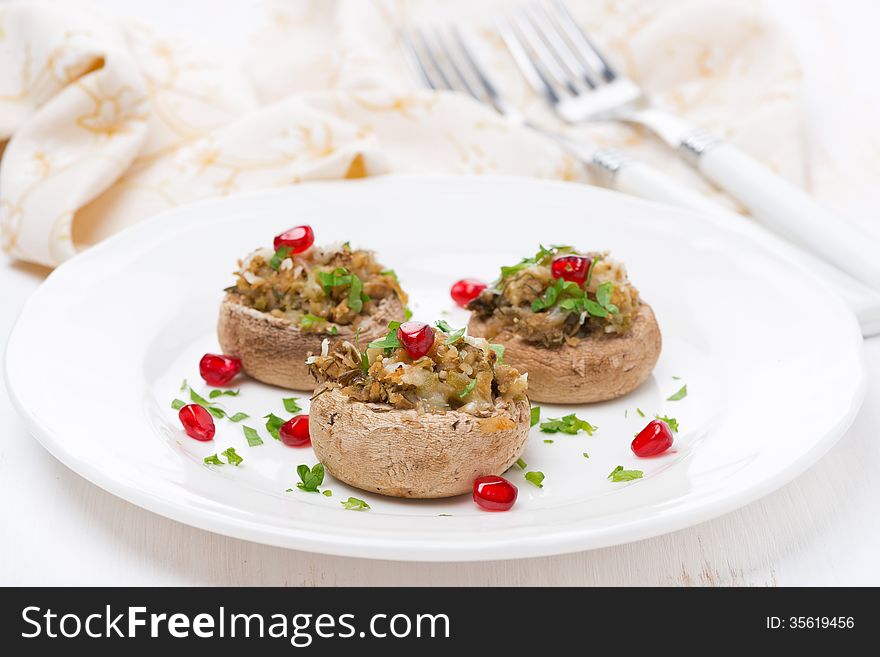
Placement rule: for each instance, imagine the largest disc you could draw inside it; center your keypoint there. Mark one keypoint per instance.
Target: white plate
(772, 361)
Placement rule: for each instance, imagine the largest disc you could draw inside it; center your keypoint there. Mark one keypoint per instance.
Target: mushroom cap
(404, 453)
(273, 350)
(600, 367)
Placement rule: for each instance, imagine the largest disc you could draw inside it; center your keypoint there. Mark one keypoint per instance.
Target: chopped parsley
(310, 479)
(251, 435)
(586, 456)
(536, 478)
(238, 417)
(390, 341)
(291, 404)
(499, 351)
(548, 440)
(470, 387)
(569, 424)
(681, 394)
(216, 392)
(177, 404)
(522, 464)
(216, 411)
(536, 415)
(273, 425)
(640, 412)
(670, 421)
(618, 474)
(280, 256)
(389, 272)
(407, 313)
(327, 493)
(453, 335)
(340, 277)
(354, 504)
(231, 456)
(603, 297)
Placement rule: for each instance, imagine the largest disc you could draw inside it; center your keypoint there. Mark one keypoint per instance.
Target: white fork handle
(791, 213)
(640, 179)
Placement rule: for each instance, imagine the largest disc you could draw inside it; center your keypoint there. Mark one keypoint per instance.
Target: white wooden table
(821, 529)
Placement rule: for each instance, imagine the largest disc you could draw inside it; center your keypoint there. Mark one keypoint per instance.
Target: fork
(564, 66)
(444, 63)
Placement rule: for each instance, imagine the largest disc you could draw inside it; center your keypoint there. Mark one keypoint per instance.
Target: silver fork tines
(561, 63)
(444, 63)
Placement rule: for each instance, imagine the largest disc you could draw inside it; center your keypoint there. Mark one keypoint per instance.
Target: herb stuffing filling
(528, 300)
(317, 290)
(459, 372)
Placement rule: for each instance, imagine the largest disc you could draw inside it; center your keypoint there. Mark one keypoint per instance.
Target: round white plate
(771, 359)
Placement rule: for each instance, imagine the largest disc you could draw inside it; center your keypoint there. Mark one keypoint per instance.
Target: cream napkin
(110, 121)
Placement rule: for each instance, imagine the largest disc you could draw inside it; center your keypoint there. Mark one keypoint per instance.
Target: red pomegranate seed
(197, 422)
(571, 268)
(297, 239)
(654, 439)
(466, 290)
(295, 432)
(494, 493)
(416, 338)
(218, 370)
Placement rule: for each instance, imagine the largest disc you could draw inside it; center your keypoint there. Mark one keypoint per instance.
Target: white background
(823, 528)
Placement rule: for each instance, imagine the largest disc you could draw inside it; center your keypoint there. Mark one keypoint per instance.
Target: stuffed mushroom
(573, 321)
(287, 300)
(420, 413)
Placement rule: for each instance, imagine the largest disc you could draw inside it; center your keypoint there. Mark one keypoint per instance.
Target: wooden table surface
(821, 529)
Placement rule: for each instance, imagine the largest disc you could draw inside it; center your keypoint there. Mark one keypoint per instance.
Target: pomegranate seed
(197, 422)
(218, 370)
(416, 337)
(494, 493)
(295, 432)
(571, 268)
(297, 239)
(654, 439)
(466, 290)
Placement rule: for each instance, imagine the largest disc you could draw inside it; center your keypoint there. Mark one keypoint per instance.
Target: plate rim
(571, 539)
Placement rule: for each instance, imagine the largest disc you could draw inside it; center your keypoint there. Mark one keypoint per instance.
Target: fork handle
(783, 208)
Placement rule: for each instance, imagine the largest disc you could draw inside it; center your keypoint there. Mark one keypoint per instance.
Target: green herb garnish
(618, 474)
(238, 417)
(499, 351)
(253, 438)
(681, 394)
(569, 424)
(231, 456)
(548, 441)
(452, 335)
(310, 478)
(586, 456)
(177, 404)
(389, 272)
(327, 493)
(354, 504)
(390, 341)
(536, 478)
(670, 421)
(273, 425)
(216, 411)
(219, 393)
(213, 460)
(407, 313)
(535, 415)
(522, 464)
(291, 404)
(640, 412)
(280, 256)
(470, 386)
